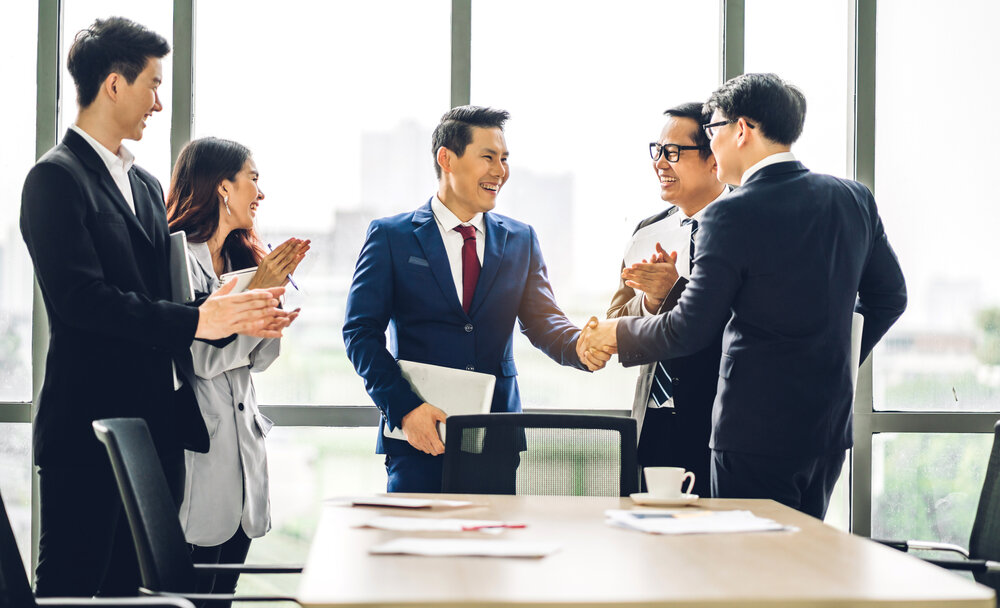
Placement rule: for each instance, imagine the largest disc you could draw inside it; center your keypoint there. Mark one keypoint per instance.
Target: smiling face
(244, 197)
(690, 182)
(470, 182)
(137, 101)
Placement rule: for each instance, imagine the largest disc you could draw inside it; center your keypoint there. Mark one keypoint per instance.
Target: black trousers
(85, 547)
(805, 484)
(233, 551)
(677, 438)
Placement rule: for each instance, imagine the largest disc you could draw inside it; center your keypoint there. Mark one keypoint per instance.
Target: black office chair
(164, 557)
(15, 590)
(983, 557)
(547, 454)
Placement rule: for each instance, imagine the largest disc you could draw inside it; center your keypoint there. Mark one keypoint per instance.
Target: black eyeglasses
(672, 151)
(712, 126)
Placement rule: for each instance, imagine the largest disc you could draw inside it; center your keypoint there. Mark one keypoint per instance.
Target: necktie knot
(467, 232)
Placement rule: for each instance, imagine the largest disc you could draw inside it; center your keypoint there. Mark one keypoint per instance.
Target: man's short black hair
(696, 112)
(112, 45)
(777, 108)
(455, 129)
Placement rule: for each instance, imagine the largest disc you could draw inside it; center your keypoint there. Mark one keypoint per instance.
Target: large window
(338, 114)
(582, 116)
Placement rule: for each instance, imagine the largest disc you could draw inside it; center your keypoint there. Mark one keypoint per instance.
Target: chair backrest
(164, 556)
(550, 454)
(984, 542)
(15, 590)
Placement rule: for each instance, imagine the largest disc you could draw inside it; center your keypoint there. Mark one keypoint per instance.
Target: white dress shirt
(780, 157)
(117, 164)
(453, 240)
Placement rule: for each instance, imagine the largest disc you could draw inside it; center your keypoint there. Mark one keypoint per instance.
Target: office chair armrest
(967, 565)
(114, 602)
(249, 568)
(922, 545)
(221, 597)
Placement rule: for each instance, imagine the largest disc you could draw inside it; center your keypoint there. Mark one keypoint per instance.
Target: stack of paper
(426, 524)
(404, 503)
(690, 521)
(447, 547)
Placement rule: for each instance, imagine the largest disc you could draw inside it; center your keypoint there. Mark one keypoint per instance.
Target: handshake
(597, 342)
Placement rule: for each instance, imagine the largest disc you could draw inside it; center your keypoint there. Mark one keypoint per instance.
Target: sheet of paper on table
(403, 503)
(692, 521)
(449, 547)
(426, 524)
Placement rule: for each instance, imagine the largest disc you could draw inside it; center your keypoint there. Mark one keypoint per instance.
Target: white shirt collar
(122, 161)
(449, 221)
(701, 212)
(780, 157)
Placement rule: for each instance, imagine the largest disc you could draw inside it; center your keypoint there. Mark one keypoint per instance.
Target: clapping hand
(253, 313)
(277, 266)
(655, 277)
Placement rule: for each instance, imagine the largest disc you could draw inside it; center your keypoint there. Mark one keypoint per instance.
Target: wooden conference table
(601, 565)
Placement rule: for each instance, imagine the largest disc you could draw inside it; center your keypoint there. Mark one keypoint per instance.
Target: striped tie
(694, 229)
(663, 387)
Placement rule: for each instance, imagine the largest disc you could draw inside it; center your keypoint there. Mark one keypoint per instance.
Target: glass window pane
(306, 466)
(15, 482)
(926, 486)
(339, 122)
(820, 66)
(152, 152)
(16, 157)
(944, 353)
(582, 116)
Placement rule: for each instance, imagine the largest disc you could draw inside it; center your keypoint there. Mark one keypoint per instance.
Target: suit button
(675, 380)
(240, 407)
(470, 368)
(468, 327)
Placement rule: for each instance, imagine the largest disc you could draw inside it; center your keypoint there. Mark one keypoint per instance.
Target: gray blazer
(227, 487)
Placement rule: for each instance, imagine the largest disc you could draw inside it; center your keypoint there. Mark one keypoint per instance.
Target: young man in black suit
(783, 262)
(96, 230)
(673, 397)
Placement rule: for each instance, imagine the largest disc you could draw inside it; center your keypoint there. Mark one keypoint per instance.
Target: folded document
(691, 521)
(448, 547)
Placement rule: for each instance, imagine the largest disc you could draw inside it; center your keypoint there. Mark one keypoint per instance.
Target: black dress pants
(233, 551)
(85, 547)
(804, 484)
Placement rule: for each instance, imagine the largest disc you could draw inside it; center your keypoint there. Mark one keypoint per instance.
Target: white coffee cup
(666, 482)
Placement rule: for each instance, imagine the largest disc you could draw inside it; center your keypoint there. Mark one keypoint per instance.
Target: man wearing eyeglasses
(673, 397)
(784, 262)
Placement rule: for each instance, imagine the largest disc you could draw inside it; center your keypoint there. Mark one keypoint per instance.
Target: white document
(691, 521)
(454, 391)
(405, 503)
(448, 547)
(428, 524)
(670, 236)
(181, 290)
(243, 278)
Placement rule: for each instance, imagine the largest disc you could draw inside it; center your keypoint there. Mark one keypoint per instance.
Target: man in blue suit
(782, 262)
(449, 280)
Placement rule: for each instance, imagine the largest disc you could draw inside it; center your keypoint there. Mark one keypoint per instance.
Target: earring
(227, 208)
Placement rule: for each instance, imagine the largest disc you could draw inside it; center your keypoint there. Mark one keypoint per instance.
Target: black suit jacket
(784, 261)
(676, 436)
(104, 276)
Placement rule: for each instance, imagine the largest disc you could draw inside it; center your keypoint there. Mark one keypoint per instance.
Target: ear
(223, 190)
(744, 134)
(111, 85)
(444, 159)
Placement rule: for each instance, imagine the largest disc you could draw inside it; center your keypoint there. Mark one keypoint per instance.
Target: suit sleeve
(69, 270)
(703, 304)
(541, 319)
(369, 309)
(882, 290)
(626, 302)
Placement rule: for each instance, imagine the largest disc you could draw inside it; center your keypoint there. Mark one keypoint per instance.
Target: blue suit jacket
(403, 281)
(785, 259)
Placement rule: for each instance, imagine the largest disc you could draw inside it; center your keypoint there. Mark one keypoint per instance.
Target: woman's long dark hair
(193, 201)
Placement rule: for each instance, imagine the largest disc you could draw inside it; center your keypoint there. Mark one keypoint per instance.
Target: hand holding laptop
(421, 430)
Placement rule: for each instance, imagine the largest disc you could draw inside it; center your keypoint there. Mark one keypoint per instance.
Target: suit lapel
(429, 237)
(496, 241)
(143, 205)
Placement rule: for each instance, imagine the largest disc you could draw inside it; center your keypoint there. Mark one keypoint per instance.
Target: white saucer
(644, 498)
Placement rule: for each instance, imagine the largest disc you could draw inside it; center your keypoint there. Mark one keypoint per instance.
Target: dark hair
(777, 108)
(112, 45)
(455, 129)
(193, 201)
(696, 112)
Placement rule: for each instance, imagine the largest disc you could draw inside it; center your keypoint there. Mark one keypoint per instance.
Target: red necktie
(470, 265)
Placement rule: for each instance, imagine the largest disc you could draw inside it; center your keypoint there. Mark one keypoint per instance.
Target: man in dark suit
(783, 262)
(673, 397)
(96, 230)
(449, 280)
